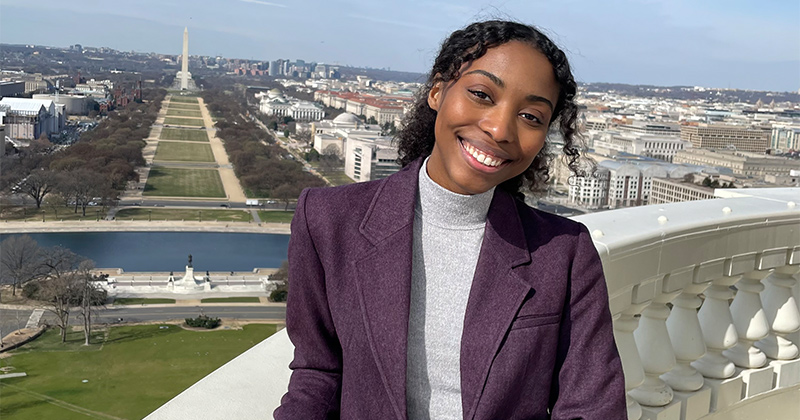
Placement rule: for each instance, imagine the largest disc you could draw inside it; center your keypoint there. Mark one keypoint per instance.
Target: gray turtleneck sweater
(448, 232)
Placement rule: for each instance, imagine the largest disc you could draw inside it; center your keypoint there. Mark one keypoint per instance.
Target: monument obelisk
(185, 61)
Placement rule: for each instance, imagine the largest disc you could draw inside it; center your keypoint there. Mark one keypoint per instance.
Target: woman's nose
(499, 124)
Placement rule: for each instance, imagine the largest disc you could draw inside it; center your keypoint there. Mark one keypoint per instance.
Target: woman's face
(492, 121)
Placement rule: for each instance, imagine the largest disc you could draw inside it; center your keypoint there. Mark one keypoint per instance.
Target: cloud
(264, 3)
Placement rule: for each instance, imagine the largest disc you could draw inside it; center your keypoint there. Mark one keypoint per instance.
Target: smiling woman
(433, 293)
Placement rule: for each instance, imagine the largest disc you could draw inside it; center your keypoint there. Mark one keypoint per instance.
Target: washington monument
(185, 60)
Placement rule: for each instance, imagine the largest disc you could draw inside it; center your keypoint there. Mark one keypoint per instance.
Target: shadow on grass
(124, 335)
(8, 409)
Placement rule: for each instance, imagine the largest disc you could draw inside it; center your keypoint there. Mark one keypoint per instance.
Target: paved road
(12, 320)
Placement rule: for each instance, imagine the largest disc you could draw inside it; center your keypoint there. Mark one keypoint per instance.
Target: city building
(742, 163)
(28, 119)
(662, 147)
(668, 190)
(717, 136)
(11, 88)
(785, 137)
(368, 159)
(338, 130)
(274, 103)
(73, 104)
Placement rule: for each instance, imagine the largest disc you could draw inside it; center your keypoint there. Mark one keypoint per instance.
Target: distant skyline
(714, 43)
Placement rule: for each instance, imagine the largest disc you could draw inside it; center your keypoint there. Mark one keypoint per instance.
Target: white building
(275, 103)
(28, 119)
(785, 137)
(660, 147)
(339, 129)
(368, 159)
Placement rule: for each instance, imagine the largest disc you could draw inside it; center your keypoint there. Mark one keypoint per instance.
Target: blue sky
(713, 43)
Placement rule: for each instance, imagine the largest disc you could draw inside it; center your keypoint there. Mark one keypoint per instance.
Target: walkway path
(233, 189)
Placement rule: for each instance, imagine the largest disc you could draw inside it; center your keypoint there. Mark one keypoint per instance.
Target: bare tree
(90, 296)
(285, 193)
(304, 135)
(20, 260)
(61, 285)
(38, 184)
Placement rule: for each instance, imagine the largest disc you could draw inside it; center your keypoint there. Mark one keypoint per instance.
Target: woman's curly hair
(416, 137)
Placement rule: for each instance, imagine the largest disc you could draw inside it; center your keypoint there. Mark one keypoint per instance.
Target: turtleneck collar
(445, 208)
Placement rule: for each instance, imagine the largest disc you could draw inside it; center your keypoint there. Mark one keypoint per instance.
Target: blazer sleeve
(315, 384)
(589, 383)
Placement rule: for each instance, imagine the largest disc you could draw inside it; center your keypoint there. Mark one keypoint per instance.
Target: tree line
(57, 277)
(97, 167)
(263, 168)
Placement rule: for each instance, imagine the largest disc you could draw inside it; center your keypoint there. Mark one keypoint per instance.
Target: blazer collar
(384, 282)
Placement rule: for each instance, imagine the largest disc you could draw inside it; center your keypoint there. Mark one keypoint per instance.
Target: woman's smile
(493, 119)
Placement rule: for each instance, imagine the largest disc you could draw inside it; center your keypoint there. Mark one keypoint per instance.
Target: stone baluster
(750, 321)
(782, 313)
(686, 336)
(655, 350)
(719, 333)
(624, 325)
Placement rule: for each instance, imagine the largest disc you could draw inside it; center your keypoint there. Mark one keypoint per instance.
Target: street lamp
(97, 215)
(42, 215)
(200, 216)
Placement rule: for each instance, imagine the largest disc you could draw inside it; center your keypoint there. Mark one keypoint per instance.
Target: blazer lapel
(384, 279)
(495, 297)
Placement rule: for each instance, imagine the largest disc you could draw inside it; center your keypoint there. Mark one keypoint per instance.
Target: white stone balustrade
(624, 325)
(686, 337)
(782, 313)
(655, 350)
(750, 321)
(683, 253)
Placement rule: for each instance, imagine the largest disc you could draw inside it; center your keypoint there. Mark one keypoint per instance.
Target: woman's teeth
(481, 157)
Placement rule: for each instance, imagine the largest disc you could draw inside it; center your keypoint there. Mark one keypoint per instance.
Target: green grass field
(184, 99)
(183, 113)
(179, 105)
(275, 216)
(189, 122)
(231, 300)
(177, 214)
(133, 372)
(183, 135)
(141, 301)
(51, 214)
(179, 182)
(183, 152)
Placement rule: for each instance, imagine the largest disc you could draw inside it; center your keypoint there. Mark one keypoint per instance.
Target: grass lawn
(178, 105)
(183, 152)
(183, 113)
(133, 372)
(141, 301)
(185, 135)
(193, 214)
(51, 214)
(180, 182)
(184, 99)
(338, 178)
(191, 122)
(231, 300)
(275, 216)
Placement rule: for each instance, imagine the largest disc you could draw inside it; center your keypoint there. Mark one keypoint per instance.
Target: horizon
(718, 45)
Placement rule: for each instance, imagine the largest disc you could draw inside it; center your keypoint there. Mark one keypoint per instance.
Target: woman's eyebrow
(499, 82)
(493, 78)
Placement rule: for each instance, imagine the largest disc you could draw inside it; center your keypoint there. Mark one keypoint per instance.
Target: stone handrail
(662, 263)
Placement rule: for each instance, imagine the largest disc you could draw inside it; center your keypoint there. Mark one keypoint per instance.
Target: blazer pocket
(528, 321)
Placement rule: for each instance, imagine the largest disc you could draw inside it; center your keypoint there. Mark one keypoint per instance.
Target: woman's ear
(435, 95)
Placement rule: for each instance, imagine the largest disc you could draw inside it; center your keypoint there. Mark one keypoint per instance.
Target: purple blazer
(537, 341)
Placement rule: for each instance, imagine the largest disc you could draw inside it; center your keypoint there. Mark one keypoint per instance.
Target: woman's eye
(480, 95)
(530, 117)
